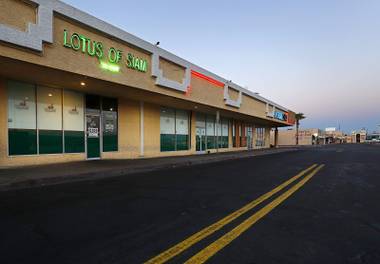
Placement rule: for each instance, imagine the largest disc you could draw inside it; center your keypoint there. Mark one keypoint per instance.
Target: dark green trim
(50, 141)
(22, 141)
(167, 142)
(93, 148)
(182, 142)
(223, 142)
(198, 141)
(74, 141)
(110, 143)
(211, 142)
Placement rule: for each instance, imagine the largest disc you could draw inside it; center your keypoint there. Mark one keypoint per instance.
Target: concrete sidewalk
(33, 176)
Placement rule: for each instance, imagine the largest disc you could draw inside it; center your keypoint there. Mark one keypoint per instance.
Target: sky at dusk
(321, 57)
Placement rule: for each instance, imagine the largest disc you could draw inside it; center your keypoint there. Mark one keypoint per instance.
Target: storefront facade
(73, 87)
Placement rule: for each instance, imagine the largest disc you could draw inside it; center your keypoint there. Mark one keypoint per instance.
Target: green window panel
(74, 141)
(50, 141)
(110, 143)
(197, 143)
(203, 142)
(22, 141)
(210, 142)
(93, 147)
(182, 142)
(225, 142)
(167, 142)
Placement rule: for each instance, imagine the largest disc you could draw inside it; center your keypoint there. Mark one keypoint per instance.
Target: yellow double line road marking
(219, 244)
(193, 239)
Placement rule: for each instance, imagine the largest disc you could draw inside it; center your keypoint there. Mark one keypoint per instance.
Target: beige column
(141, 129)
(193, 132)
(267, 137)
(3, 122)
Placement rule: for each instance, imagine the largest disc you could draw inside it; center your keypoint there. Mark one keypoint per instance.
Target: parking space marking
(206, 253)
(193, 239)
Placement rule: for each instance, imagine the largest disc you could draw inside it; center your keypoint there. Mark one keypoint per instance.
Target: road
(308, 214)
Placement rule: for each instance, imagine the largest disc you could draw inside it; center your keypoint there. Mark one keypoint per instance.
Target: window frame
(175, 129)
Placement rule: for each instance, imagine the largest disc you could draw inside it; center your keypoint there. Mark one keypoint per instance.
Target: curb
(111, 173)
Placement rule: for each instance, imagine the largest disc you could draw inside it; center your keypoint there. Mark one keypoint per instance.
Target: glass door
(200, 132)
(200, 139)
(249, 137)
(93, 135)
(93, 126)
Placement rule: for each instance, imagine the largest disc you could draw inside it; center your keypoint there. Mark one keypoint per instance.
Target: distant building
(333, 136)
(359, 136)
(312, 136)
(373, 137)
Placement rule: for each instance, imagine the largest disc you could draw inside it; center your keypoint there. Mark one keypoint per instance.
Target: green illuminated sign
(136, 63)
(94, 48)
(109, 66)
(80, 42)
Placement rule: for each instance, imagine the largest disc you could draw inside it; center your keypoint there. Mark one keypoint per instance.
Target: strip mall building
(73, 87)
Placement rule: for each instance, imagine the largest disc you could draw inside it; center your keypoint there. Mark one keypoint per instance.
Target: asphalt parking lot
(316, 205)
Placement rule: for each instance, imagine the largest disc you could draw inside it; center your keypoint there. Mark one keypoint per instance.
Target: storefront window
(200, 137)
(210, 132)
(22, 121)
(49, 122)
(243, 138)
(73, 122)
(110, 126)
(174, 129)
(260, 137)
(182, 130)
(224, 138)
(167, 127)
(218, 134)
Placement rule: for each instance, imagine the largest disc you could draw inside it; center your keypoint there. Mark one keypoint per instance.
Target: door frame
(201, 151)
(249, 137)
(100, 134)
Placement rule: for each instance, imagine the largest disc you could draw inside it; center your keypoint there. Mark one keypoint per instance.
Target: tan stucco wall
(233, 94)
(17, 14)
(267, 137)
(256, 108)
(56, 56)
(172, 71)
(288, 137)
(59, 57)
(151, 130)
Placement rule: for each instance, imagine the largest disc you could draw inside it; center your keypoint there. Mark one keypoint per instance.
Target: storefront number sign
(110, 59)
(93, 123)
